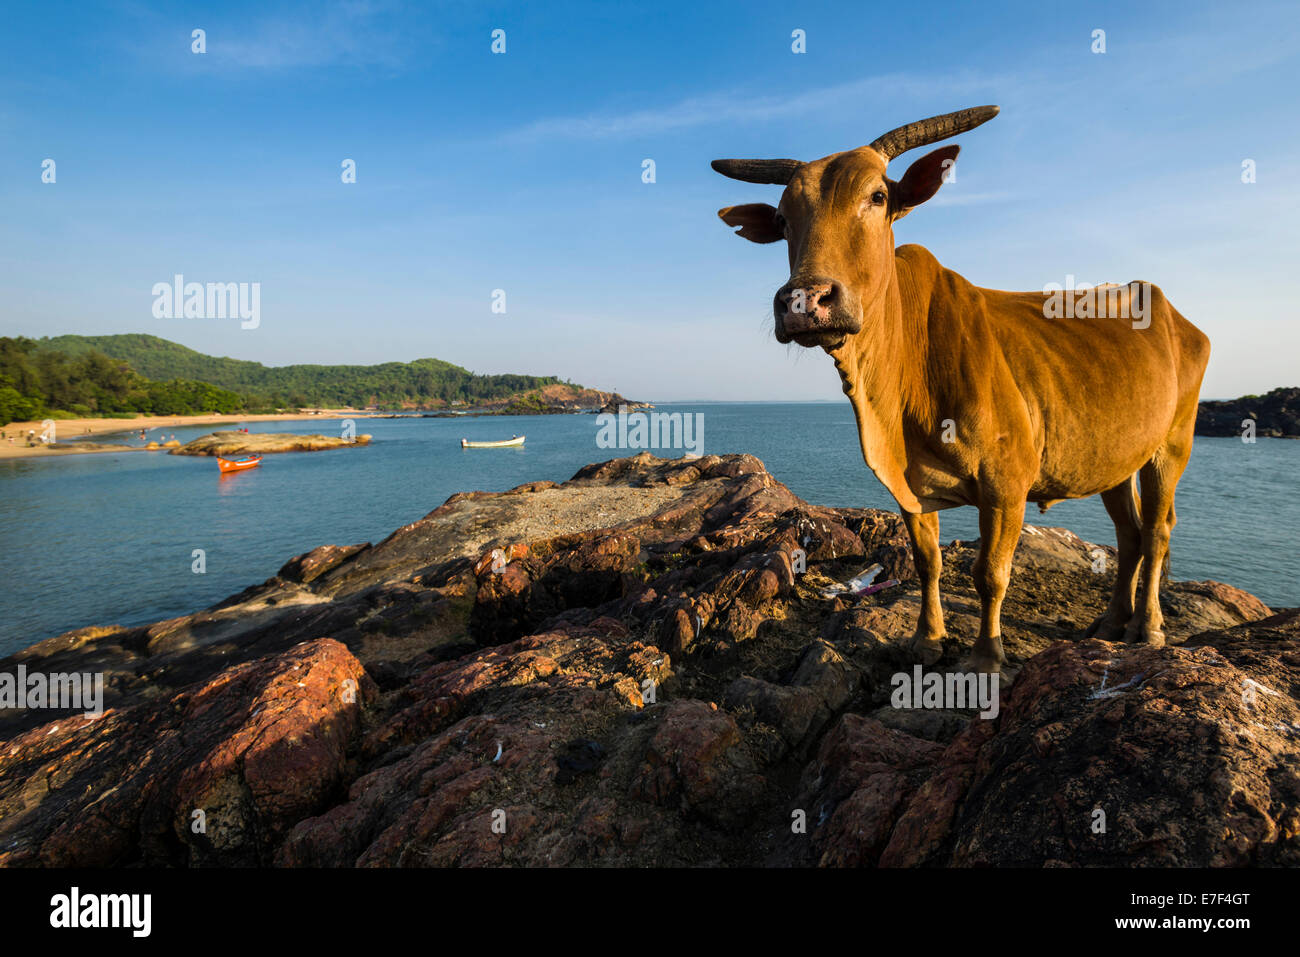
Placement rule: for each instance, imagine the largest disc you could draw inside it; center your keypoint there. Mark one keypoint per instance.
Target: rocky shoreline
(596, 402)
(638, 667)
(265, 443)
(1276, 415)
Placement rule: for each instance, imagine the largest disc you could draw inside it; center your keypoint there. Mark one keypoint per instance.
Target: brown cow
(972, 396)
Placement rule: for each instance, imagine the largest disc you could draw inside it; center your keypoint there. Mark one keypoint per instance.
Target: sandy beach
(67, 430)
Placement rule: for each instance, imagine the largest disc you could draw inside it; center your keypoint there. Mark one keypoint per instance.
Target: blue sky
(522, 172)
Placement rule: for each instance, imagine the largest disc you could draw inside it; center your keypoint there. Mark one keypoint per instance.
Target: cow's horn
(758, 171)
(899, 141)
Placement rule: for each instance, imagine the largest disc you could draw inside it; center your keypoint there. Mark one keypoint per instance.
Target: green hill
(37, 383)
(423, 383)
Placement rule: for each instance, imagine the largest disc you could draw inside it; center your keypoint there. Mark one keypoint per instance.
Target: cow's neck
(881, 369)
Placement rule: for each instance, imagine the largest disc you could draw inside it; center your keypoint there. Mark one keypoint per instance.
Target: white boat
(504, 444)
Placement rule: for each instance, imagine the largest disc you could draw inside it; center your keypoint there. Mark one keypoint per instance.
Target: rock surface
(254, 749)
(261, 443)
(640, 667)
(1276, 414)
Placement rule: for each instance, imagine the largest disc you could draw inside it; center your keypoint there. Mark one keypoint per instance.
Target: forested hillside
(108, 375)
(424, 383)
(37, 382)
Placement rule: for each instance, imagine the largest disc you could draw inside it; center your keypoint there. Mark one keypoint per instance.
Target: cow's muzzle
(813, 312)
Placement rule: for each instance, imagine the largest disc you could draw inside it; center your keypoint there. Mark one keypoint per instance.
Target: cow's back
(1096, 394)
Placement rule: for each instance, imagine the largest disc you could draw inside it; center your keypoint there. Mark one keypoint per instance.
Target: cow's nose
(813, 299)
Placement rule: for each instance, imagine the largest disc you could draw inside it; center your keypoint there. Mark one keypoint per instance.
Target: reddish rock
(475, 730)
(500, 557)
(311, 565)
(1214, 605)
(858, 786)
(1189, 755)
(255, 749)
(821, 687)
(695, 758)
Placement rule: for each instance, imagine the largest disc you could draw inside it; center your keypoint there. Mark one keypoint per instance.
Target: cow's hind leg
(1159, 479)
(999, 534)
(927, 643)
(1122, 505)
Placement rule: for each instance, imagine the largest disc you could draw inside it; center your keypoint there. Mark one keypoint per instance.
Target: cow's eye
(781, 224)
(878, 198)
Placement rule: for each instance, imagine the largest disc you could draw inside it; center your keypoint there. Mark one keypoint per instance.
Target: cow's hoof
(1102, 629)
(1140, 634)
(983, 664)
(925, 650)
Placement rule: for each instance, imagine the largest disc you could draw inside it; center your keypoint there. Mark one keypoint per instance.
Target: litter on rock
(879, 586)
(861, 584)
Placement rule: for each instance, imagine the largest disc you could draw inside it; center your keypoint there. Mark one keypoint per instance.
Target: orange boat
(235, 465)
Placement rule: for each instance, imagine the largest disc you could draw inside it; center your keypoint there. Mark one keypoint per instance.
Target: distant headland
(1276, 415)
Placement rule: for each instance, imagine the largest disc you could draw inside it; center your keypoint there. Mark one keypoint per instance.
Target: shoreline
(75, 431)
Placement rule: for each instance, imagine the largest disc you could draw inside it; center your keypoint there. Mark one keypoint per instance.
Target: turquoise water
(108, 539)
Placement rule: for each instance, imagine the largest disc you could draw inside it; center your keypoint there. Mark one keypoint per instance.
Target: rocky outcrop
(554, 399)
(310, 566)
(1113, 755)
(1275, 414)
(262, 443)
(642, 666)
(214, 775)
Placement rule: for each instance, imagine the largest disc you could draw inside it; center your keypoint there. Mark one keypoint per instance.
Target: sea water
(112, 538)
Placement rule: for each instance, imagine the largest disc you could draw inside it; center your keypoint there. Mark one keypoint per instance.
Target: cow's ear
(757, 222)
(923, 179)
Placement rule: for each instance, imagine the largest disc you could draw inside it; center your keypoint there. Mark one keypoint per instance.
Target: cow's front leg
(999, 533)
(926, 643)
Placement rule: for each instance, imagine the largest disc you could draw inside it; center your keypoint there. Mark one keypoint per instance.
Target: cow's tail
(1134, 501)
